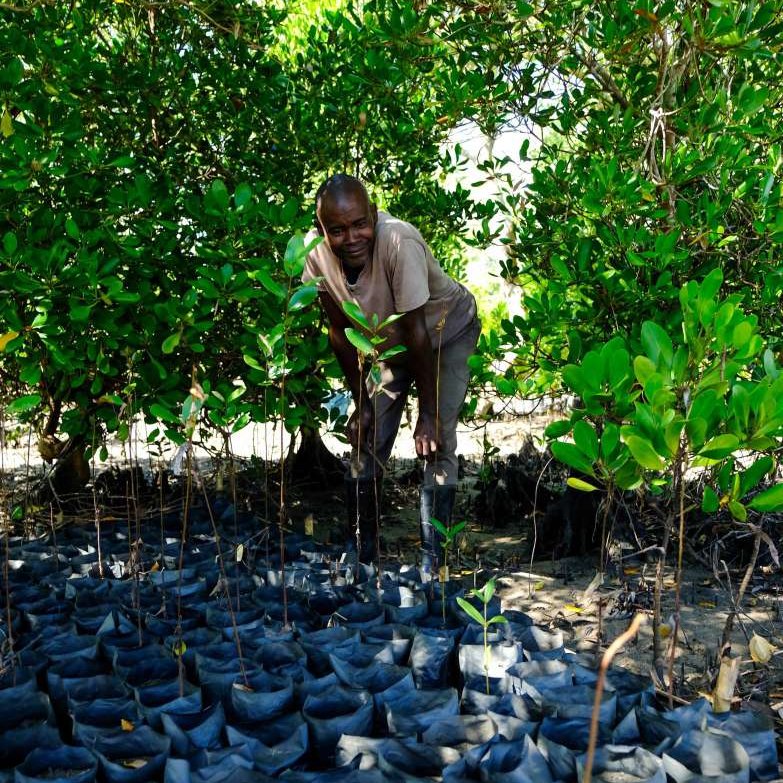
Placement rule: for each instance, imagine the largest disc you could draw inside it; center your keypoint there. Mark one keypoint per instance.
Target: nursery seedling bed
(347, 624)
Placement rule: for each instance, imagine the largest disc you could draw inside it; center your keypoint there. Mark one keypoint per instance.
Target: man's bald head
(345, 217)
(338, 187)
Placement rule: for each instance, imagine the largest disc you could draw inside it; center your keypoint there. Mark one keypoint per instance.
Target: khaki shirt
(402, 276)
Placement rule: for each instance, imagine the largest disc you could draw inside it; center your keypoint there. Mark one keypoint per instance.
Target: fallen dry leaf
(760, 649)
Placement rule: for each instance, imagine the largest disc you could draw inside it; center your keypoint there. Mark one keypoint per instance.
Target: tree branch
(602, 77)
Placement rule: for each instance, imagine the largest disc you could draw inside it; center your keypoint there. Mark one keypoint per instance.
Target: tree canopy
(155, 158)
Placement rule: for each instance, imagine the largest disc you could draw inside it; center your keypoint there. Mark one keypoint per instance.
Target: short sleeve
(409, 278)
(312, 271)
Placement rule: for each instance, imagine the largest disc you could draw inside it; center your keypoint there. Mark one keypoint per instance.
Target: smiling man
(383, 265)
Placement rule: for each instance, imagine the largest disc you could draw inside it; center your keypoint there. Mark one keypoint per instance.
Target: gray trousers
(452, 375)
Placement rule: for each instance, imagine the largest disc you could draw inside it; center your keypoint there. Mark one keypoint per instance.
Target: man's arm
(421, 360)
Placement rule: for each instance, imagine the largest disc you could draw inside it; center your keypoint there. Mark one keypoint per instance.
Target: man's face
(347, 221)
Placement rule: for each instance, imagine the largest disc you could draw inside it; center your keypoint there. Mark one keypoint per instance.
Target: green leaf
(23, 404)
(506, 386)
(770, 366)
(122, 162)
(672, 433)
(737, 510)
(71, 228)
(163, 413)
(488, 591)
(741, 335)
(470, 610)
(657, 344)
(359, 341)
(393, 351)
(6, 124)
(12, 72)
(10, 242)
(619, 366)
(610, 440)
(750, 477)
(295, 255)
(577, 483)
(80, 312)
(627, 477)
(110, 399)
(710, 502)
(143, 189)
(252, 362)
(303, 297)
(159, 368)
(274, 288)
(711, 284)
(643, 369)
(574, 346)
(498, 618)
(586, 439)
(570, 455)
(171, 342)
(439, 526)
(242, 195)
(644, 453)
(388, 321)
(313, 244)
(217, 196)
(289, 210)
(739, 405)
(354, 312)
(557, 429)
(575, 379)
(769, 500)
(751, 99)
(696, 428)
(720, 446)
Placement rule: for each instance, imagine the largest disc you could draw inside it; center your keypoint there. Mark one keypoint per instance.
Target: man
(383, 265)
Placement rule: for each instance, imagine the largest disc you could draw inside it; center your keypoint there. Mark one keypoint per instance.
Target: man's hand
(425, 436)
(360, 426)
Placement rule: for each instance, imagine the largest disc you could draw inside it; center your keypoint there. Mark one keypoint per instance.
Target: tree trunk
(314, 464)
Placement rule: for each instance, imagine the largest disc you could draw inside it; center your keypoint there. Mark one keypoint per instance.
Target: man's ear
(374, 213)
(318, 226)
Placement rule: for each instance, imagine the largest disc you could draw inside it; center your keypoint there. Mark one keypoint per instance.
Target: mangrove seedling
(449, 534)
(484, 595)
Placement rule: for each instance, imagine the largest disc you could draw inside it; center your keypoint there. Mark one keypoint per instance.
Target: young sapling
(484, 595)
(449, 534)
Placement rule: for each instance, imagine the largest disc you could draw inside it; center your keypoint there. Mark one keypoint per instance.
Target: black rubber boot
(436, 502)
(363, 503)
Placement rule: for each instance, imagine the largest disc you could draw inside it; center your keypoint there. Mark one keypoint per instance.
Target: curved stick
(606, 661)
